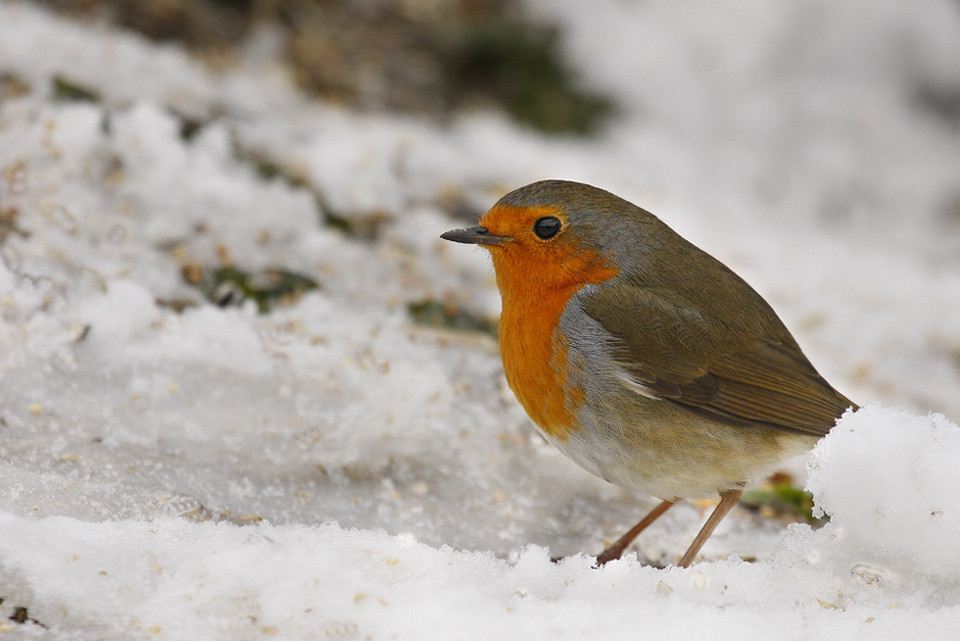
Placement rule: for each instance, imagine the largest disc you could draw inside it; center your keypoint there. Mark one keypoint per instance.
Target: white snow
(331, 471)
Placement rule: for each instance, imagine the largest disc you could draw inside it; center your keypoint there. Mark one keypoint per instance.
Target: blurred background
(426, 57)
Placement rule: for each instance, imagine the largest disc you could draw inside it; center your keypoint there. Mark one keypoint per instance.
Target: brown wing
(744, 369)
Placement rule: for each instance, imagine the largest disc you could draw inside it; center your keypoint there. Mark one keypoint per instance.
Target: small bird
(642, 358)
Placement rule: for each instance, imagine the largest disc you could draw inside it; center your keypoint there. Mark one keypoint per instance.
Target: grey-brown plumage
(718, 350)
(664, 372)
(688, 327)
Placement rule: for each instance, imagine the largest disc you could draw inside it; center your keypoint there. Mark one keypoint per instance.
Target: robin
(642, 358)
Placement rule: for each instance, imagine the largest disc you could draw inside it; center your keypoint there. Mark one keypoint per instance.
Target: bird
(642, 358)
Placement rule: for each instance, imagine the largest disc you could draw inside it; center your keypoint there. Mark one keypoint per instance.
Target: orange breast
(535, 360)
(536, 286)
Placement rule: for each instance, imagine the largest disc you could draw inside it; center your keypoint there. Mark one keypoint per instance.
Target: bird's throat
(534, 357)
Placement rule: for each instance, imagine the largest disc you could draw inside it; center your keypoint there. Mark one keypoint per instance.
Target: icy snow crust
(330, 471)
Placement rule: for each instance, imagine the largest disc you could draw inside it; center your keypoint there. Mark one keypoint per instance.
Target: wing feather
(748, 370)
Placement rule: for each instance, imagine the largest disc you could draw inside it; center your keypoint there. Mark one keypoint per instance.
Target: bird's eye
(547, 227)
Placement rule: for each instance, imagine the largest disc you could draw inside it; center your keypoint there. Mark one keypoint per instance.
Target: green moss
(782, 499)
(189, 128)
(225, 286)
(69, 91)
(433, 313)
(521, 66)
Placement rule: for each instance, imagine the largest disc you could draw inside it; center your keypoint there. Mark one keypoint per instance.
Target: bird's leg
(728, 498)
(616, 549)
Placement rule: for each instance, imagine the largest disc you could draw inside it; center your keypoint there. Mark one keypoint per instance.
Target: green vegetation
(433, 313)
(69, 91)
(779, 498)
(228, 285)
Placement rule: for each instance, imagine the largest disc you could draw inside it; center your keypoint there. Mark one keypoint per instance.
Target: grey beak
(474, 236)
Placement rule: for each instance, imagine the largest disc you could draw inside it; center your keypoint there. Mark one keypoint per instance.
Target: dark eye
(547, 227)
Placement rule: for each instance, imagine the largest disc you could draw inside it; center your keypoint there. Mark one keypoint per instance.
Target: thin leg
(616, 550)
(728, 499)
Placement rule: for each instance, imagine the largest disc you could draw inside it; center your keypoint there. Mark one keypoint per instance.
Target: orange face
(539, 266)
(527, 263)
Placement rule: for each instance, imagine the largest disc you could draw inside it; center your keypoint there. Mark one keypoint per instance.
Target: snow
(328, 470)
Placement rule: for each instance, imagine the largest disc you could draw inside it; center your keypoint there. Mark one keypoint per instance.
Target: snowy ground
(330, 470)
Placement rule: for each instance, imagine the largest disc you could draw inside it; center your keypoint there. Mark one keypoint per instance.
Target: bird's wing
(694, 360)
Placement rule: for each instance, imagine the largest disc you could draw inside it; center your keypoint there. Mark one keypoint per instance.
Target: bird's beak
(474, 236)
